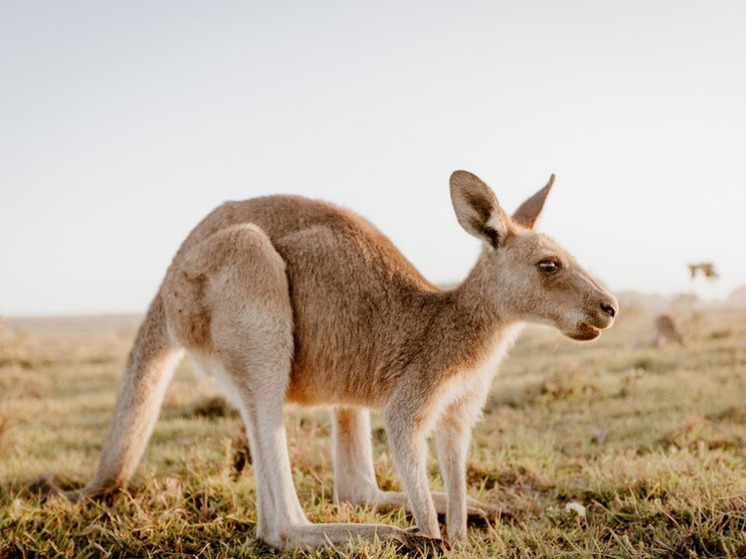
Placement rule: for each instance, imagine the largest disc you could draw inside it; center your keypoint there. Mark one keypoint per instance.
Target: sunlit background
(123, 124)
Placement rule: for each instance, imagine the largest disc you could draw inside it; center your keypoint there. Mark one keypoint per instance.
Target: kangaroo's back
(295, 223)
(351, 292)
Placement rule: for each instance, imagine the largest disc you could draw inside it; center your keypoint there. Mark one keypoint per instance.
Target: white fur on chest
(475, 382)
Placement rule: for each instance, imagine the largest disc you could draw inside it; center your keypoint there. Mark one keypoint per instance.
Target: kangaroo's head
(526, 275)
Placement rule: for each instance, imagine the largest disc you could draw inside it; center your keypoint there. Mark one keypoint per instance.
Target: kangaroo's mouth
(584, 332)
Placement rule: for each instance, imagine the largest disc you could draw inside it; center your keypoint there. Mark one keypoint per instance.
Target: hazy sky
(123, 123)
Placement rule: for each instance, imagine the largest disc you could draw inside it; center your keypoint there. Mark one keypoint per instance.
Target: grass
(646, 445)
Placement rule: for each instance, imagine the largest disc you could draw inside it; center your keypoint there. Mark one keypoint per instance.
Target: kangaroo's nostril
(608, 309)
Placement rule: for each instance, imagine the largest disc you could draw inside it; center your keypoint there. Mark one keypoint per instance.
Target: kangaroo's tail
(150, 367)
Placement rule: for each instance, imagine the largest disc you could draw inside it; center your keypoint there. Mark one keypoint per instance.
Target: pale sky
(123, 124)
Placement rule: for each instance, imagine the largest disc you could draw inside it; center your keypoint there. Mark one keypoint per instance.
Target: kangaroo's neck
(469, 322)
(477, 297)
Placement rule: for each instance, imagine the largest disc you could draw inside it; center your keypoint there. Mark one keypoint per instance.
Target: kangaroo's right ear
(477, 209)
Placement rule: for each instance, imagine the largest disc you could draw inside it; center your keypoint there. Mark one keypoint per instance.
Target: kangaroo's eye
(550, 266)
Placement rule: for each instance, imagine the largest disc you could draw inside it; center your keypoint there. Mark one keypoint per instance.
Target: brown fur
(289, 299)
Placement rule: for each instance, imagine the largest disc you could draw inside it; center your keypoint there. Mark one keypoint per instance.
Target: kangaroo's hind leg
(354, 476)
(247, 298)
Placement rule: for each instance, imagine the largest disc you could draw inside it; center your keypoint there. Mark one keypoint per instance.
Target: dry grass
(6, 423)
(650, 443)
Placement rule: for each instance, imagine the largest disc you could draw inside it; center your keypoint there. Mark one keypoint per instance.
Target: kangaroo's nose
(609, 309)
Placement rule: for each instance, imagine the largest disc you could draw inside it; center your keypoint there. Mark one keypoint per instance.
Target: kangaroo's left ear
(530, 210)
(477, 209)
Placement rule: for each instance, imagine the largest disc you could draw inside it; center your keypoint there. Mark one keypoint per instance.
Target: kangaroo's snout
(606, 312)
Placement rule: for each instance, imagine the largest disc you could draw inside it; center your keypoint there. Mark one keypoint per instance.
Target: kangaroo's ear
(530, 210)
(477, 209)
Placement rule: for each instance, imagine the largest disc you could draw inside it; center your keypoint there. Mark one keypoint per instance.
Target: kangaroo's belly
(313, 387)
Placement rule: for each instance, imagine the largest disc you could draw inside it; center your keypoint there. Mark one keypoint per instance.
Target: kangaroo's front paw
(86, 493)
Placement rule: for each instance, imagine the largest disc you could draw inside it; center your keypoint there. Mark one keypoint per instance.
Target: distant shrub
(720, 334)
(212, 408)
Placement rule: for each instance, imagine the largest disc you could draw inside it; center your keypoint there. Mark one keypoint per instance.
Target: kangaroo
(286, 299)
(667, 329)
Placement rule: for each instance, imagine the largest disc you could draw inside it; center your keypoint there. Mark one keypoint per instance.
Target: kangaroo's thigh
(230, 291)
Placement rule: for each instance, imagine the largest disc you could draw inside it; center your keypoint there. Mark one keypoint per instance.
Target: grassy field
(608, 449)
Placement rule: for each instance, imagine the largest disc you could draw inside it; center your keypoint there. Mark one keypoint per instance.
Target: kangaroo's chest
(470, 385)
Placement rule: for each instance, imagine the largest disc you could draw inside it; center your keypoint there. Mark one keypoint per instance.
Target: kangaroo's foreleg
(409, 419)
(452, 437)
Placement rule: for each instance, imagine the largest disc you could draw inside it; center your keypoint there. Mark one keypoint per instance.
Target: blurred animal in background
(667, 329)
(707, 269)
